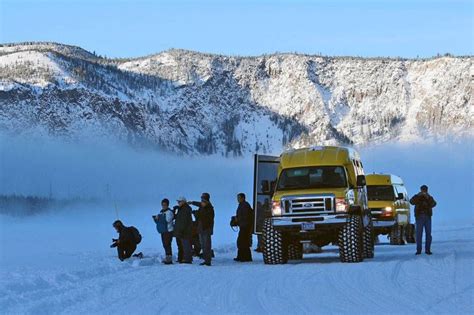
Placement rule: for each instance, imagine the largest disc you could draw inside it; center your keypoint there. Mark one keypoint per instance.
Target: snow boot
(139, 255)
(168, 260)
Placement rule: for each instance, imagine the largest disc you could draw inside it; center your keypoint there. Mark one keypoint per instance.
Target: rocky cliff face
(195, 103)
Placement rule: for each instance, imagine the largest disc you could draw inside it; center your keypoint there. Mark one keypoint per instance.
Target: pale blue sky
(120, 28)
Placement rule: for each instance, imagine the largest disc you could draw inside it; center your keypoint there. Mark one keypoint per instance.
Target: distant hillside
(193, 103)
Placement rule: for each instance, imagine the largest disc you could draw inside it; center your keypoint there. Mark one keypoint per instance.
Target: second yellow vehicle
(390, 208)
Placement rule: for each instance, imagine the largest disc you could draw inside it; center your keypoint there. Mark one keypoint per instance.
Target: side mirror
(361, 181)
(266, 189)
(400, 196)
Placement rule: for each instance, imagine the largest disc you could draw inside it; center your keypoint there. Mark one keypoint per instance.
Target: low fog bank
(120, 178)
(112, 173)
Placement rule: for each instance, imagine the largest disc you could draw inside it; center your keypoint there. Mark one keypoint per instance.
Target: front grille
(308, 205)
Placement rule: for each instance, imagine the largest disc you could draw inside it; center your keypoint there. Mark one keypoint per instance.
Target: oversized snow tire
(295, 251)
(368, 240)
(410, 233)
(350, 240)
(274, 249)
(396, 235)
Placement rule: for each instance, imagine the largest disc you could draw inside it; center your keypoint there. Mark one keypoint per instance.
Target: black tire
(295, 251)
(368, 240)
(350, 240)
(274, 250)
(396, 235)
(410, 233)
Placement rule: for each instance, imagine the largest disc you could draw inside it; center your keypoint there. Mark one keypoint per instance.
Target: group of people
(178, 223)
(193, 237)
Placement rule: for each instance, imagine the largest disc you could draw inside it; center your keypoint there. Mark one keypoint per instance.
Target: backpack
(425, 203)
(161, 224)
(136, 234)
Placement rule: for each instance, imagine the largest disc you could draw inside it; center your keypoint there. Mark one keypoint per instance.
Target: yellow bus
(316, 194)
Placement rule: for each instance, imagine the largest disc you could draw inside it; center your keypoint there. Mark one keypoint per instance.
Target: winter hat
(181, 199)
(205, 196)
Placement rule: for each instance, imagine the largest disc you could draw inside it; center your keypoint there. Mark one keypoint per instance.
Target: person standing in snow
(424, 204)
(244, 217)
(127, 242)
(205, 220)
(166, 236)
(183, 229)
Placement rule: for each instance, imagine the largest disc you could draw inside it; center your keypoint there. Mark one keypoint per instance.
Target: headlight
(388, 209)
(341, 205)
(350, 197)
(276, 208)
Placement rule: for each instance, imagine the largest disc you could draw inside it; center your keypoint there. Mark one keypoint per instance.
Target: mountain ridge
(194, 103)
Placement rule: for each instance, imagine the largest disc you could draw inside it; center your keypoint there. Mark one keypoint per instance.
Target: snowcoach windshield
(383, 192)
(312, 177)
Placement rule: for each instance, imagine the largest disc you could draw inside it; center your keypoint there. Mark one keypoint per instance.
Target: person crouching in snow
(127, 242)
(165, 226)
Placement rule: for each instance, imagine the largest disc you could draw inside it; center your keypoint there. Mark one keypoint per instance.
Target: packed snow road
(395, 281)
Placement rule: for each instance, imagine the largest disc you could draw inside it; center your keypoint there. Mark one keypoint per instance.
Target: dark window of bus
(384, 192)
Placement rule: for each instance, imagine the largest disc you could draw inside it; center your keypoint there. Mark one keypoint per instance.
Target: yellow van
(316, 195)
(389, 207)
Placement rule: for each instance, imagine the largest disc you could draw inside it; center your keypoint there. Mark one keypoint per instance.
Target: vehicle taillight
(341, 205)
(276, 208)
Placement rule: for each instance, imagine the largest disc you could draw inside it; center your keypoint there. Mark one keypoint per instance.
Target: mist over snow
(118, 176)
(110, 172)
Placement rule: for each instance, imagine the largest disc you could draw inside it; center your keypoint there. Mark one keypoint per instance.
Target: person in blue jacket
(167, 236)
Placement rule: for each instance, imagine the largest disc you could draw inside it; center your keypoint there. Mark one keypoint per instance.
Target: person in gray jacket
(167, 237)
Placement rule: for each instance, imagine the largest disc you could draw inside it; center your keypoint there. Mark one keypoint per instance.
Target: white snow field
(60, 262)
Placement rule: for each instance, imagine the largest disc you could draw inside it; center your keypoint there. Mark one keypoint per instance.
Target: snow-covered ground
(60, 262)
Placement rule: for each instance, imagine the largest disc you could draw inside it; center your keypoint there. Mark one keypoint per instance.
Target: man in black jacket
(245, 222)
(183, 229)
(424, 204)
(205, 220)
(126, 243)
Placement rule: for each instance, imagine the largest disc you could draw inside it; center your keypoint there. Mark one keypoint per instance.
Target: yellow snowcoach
(317, 195)
(390, 208)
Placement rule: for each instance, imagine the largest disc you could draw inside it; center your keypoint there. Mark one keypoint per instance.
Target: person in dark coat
(245, 219)
(424, 204)
(126, 243)
(205, 220)
(183, 229)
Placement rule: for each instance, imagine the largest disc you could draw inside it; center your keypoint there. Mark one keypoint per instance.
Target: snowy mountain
(195, 103)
